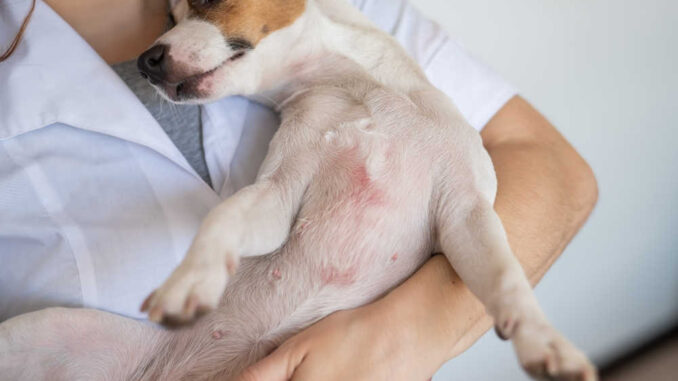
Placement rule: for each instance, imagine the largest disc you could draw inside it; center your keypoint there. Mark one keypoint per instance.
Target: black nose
(151, 64)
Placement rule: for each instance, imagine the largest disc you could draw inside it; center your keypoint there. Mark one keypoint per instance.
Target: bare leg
(474, 241)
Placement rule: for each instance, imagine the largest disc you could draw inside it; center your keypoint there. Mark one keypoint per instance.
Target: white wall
(604, 72)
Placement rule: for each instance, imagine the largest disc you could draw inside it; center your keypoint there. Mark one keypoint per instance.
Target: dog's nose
(151, 64)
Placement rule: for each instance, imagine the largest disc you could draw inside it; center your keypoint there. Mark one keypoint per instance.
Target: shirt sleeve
(477, 91)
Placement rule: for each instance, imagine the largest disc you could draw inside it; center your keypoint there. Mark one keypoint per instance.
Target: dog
(372, 169)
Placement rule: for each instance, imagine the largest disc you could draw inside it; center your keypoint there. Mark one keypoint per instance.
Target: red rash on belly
(330, 275)
(277, 275)
(364, 190)
(361, 179)
(301, 228)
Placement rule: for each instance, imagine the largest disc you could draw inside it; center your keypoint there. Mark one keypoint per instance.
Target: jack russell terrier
(372, 170)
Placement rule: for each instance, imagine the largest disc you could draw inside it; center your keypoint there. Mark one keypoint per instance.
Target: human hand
(407, 335)
(359, 344)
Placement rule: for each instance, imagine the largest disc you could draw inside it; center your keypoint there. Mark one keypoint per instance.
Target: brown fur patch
(250, 20)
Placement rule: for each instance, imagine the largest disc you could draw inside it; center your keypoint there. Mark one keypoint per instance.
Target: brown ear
(73, 344)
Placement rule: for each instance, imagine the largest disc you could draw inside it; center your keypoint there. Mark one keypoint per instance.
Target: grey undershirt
(181, 122)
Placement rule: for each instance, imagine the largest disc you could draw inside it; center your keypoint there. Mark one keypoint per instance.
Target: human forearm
(545, 193)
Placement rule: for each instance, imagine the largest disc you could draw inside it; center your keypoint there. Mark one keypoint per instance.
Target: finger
(278, 366)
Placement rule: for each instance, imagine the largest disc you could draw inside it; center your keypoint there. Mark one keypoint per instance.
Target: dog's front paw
(195, 287)
(546, 355)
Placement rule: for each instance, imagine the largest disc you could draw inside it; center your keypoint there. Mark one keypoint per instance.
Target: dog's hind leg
(60, 344)
(473, 239)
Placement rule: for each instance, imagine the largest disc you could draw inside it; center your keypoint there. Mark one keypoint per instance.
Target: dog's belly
(364, 225)
(365, 222)
(363, 229)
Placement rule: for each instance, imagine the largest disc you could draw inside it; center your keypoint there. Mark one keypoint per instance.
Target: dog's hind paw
(546, 355)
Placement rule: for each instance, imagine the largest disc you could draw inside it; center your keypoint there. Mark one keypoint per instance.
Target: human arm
(545, 193)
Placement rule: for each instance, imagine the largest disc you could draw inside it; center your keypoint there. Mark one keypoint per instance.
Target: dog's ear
(73, 344)
(179, 9)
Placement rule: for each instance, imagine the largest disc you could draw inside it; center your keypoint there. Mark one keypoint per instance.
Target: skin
(546, 191)
(119, 30)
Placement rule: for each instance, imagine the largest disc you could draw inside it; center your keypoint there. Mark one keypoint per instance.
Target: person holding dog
(106, 192)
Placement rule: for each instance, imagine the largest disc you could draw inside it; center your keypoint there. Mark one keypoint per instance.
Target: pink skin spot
(361, 178)
(277, 275)
(362, 190)
(301, 228)
(330, 275)
(394, 257)
(218, 334)
(365, 193)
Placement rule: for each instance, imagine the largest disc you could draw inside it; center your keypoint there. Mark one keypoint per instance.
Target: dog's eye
(201, 3)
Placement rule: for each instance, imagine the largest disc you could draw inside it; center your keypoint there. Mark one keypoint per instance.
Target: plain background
(604, 72)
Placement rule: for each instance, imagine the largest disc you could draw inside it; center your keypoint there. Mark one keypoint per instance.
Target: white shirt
(97, 206)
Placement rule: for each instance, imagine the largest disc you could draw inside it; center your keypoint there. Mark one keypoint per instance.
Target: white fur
(197, 45)
(372, 170)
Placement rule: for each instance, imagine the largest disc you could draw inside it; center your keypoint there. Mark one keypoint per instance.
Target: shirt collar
(54, 76)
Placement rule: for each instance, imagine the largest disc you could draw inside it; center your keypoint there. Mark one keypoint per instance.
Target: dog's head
(213, 51)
